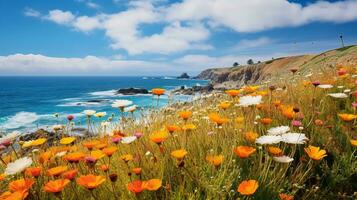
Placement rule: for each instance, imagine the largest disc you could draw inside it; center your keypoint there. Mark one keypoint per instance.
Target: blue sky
(162, 37)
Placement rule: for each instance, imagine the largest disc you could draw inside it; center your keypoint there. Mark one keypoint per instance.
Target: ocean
(27, 103)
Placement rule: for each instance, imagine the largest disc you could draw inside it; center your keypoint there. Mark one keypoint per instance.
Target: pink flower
(296, 123)
(354, 104)
(6, 142)
(116, 139)
(70, 117)
(355, 93)
(316, 83)
(138, 135)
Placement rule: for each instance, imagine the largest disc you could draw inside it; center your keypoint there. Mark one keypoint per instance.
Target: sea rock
(132, 91)
(192, 90)
(184, 75)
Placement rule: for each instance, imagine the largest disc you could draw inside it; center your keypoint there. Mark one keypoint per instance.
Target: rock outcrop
(233, 77)
(132, 91)
(184, 76)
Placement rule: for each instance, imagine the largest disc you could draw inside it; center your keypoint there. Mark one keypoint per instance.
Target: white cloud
(188, 25)
(60, 17)
(259, 15)
(30, 64)
(31, 12)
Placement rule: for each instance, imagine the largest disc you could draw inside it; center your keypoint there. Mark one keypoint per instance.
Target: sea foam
(20, 119)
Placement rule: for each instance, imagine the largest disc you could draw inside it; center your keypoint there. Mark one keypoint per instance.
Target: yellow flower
(188, 127)
(159, 136)
(215, 160)
(353, 142)
(251, 136)
(239, 120)
(67, 140)
(224, 105)
(126, 157)
(315, 153)
(185, 114)
(179, 154)
(232, 93)
(100, 114)
(98, 154)
(37, 142)
(250, 89)
(347, 117)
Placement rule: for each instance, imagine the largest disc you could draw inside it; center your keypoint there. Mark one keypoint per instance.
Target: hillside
(251, 74)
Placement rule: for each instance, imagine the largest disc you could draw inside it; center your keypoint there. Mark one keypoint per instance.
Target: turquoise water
(30, 102)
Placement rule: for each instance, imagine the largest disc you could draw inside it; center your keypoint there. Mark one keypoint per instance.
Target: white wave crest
(20, 119)
(104, 93)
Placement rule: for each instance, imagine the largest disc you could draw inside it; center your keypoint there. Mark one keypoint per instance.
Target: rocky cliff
(253, 74)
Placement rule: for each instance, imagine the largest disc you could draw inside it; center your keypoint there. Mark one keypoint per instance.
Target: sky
(163, 37)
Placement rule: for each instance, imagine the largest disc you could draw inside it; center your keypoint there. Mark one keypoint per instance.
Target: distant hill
(252, 74)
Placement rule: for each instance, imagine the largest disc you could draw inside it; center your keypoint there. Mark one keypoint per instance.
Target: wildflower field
(291, 138)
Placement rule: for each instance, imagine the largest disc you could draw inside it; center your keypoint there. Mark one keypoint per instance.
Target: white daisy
(278, 130)
(268, 139)
(325, 86)
(283, 159)
(18, 165)
(131, 108)
(128, 140)
(60, 154)
(89, 112)
(246, 101)
(346, 91)
(294, 138)
(338, 95)
(121, 103)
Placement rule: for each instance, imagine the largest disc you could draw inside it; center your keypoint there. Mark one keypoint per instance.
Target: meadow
(290, 138)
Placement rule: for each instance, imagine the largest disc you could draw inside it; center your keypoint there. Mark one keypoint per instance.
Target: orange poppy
(104, 168)
(251, 136)
(185, 114)
(347, 117)
(288, 111)
(90, 144)
(70, 174)
(158, 91)
(353, 142)
(152, 184)
(56, 186)
(315, 153)
(172, 128)
(33, 171)
(276, 151)
(284, 196)
(136, 170)
(56, 171)
(74, 157)
(21, 185)
(45, 157)
(101, 145)
(214, 117)
(109, 151)
(266, 121)
(135, 186)
(90, 181)
(159, 136)
(244, 151)
(18, 195)
(248, 187)
(232, 93)
(215, 160)
(2, 177)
